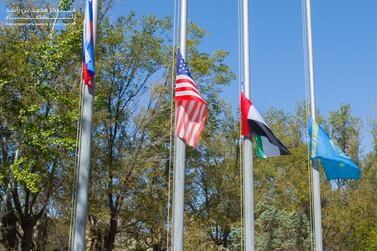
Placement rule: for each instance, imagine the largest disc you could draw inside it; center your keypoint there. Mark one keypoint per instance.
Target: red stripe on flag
(86, 75)
(195, 119)
(180, 89)
(181, 116)
(245, 107)
(188, 97)
(187, 120)
(201, 125)
(190, 119)
(185, 80)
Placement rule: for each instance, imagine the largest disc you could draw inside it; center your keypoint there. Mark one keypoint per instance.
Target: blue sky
(344, 41)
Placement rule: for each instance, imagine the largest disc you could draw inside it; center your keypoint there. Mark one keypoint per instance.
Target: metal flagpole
(180, 153)
(315, 166)
(247, 144)
(81, 203)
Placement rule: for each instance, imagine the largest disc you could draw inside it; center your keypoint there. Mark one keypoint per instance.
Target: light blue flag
(336, 163)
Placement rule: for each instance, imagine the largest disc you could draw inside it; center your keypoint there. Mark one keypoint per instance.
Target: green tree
(38, 114)
(345, 129)
(131, 51)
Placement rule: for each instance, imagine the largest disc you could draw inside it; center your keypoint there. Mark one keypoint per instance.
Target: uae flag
(253, 125)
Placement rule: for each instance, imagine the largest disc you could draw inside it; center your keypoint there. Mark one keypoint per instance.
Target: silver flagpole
(247, 144)
(180, 153)
(315, 166)
(81, 203)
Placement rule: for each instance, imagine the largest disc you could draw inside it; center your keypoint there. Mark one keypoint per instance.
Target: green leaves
(345, 129)
(277, 229)
(22, 170)
(65, 4)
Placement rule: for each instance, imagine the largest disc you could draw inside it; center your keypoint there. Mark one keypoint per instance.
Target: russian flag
(88, 45)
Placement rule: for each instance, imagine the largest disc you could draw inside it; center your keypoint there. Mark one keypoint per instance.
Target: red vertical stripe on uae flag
(245, 107)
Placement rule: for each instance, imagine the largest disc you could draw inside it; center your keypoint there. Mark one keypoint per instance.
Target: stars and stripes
(191, 108)
(88, 45)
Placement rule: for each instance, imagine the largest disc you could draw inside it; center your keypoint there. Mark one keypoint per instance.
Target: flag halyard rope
(171, 132)
(240, 87)
(77, 160)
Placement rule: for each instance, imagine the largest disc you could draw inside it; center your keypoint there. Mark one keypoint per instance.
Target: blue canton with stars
(182, 68)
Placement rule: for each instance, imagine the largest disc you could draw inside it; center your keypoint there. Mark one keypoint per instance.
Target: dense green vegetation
(39, 110)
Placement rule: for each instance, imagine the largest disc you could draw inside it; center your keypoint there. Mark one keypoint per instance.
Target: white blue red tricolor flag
(191, 108)
(88, 45)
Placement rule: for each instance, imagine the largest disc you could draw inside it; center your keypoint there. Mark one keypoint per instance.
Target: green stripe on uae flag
(259, 152)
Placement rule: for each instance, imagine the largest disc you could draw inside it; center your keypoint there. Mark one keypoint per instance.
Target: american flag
(191, 108)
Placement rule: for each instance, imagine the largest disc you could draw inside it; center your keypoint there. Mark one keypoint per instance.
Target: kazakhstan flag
(336, 163)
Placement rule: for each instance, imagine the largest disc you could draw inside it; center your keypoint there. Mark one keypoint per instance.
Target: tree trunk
(95, 234)
(156, 247)
(225, 239)
(27, 237)
(9, 227)
(300, 235)
(42, 233)
(110, 233)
